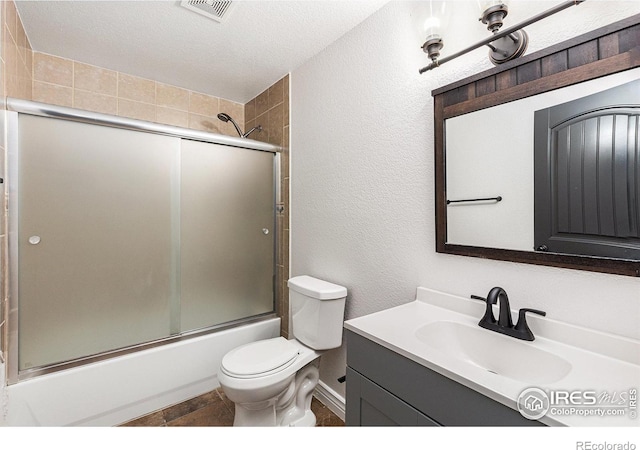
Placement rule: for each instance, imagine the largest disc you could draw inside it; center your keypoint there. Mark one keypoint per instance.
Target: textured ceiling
(256, 45)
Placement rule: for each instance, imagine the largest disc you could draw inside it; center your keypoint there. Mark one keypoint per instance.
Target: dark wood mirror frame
(607, 50)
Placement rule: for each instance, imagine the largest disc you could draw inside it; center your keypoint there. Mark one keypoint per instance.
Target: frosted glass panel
(95, 222)
(227, 259)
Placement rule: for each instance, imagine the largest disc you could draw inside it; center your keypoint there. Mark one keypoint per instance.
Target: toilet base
(308, 420)
(266, 417)
(292, 408)
(263, 417)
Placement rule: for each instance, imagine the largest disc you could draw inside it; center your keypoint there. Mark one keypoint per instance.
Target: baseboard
(331, 399)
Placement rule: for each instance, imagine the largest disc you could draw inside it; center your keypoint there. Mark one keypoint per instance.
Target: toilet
(272, 381)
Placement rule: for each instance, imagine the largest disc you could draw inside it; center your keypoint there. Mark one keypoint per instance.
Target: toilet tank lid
(313, 287)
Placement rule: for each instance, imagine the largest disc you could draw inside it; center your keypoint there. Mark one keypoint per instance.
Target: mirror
(484, 149)
(501, 164)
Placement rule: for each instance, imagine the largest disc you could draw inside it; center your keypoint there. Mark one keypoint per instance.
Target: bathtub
(120, 389)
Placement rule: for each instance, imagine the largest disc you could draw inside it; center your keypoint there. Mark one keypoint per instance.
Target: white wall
(362, 177)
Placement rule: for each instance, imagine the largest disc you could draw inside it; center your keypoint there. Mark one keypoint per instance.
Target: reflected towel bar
(497, 199)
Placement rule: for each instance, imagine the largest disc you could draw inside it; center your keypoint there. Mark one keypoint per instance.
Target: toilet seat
(260, 359)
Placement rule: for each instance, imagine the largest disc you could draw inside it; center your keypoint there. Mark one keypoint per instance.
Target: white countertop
(601, 364)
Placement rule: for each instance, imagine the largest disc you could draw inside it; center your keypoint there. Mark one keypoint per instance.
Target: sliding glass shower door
(126, 237)
(95, 256)
(227, 234)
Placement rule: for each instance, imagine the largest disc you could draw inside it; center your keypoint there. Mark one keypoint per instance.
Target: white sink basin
(440, 332)
(498, 354)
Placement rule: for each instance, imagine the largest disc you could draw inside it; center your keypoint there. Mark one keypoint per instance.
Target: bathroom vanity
(385, 388)
(428, 363)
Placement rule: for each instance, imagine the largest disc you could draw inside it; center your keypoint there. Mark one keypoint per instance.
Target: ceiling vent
(214, 9)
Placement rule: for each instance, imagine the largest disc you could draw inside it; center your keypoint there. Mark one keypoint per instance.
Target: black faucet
(504, 324)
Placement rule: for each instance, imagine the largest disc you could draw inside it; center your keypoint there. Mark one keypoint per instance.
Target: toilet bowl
(262, 393)
(272, 381)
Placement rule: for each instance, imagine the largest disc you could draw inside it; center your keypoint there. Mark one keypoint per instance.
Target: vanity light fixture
(505, 45)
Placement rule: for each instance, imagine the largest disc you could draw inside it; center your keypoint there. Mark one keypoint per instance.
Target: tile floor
(214, 409)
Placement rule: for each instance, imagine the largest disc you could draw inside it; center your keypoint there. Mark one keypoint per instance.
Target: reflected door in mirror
(587, 175)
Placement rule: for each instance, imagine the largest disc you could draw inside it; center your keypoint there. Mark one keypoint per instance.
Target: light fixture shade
(437, 19)
(432, 27)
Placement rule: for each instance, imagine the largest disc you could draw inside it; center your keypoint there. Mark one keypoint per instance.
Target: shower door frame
(18, 106)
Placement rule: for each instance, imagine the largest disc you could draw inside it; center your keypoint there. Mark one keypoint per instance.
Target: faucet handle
(522, 325)
(488, 317)
(523, 311)
(477, 297)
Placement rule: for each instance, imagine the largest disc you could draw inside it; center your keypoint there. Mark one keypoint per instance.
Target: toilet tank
(317, 311)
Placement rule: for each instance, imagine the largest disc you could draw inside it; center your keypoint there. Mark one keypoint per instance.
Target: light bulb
(432, 26)
(437, 19)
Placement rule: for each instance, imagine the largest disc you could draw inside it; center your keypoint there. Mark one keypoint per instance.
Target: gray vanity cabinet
(386, 389)
(369, 404)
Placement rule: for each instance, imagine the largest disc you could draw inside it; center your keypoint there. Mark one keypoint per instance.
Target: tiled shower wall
(50, 79)
(271, 110)
(64, 82)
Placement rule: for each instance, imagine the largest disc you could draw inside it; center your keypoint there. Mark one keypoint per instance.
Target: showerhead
(227, 118)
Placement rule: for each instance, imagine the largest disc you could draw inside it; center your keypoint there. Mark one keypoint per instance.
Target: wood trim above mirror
(605, 51)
